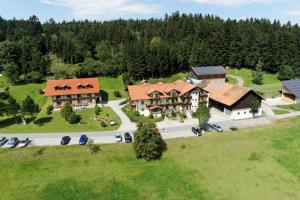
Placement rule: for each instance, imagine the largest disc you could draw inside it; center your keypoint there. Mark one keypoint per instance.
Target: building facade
(78, 92)
(165, 98)
(234, 101)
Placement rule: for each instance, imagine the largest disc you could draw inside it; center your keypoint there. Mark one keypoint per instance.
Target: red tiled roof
(142, 92)
(87, 86)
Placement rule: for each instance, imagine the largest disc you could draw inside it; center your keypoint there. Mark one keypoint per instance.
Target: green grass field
(280, 112)
(271, 85)
(169, 79)
(109, 84)
(294, 107)
(55, 123)
(260, 164)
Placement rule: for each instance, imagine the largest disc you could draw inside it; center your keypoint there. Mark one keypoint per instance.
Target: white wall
(241, 113)
(142, 108)
(195, 100)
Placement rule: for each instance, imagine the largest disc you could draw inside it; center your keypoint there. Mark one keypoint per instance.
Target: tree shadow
(43, 120)
(104, 96)
(10, 121)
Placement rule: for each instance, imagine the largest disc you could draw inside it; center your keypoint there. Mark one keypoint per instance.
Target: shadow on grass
(42, 121)
(15, 120)
(104, 96)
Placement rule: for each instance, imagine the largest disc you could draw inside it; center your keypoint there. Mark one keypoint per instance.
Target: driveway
(126, 124)
(278, 101)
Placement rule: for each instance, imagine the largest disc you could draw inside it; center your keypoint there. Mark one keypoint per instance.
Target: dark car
(127, 138)
(83, 139)
(196, 131)
(217, 128)
(65, 140)
(207, 127)
(3, 140)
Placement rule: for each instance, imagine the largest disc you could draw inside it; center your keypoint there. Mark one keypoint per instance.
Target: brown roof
(142, 92)
(226, 93)
(72, 86)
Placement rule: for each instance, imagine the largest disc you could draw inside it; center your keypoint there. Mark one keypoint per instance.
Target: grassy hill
(260, 164)
(271, 85)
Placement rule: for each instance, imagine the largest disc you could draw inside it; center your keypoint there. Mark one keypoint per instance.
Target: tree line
(146, 48)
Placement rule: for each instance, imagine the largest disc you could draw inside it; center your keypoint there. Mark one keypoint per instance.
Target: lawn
(271, 85)
(280, 112)
(109, 84)
(55, 123)
(260, 164)
(294, 107)
(169, 79)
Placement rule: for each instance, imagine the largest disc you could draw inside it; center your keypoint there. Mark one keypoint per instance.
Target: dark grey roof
(207, 70)
(293, 86)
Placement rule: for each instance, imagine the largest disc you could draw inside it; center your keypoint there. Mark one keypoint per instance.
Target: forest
(144, 48)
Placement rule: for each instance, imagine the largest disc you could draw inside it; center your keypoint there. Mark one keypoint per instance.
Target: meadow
(260, 164)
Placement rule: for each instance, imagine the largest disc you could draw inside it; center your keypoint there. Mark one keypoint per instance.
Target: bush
(49, 109)
(66, 110)
(41, 91)
(73, 118)
(117, 93)
(103, 124)
(93, 147)
(173, 113)
(97, 110)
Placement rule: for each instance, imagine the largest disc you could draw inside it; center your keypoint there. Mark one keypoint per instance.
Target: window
(167, 100)
(250, 111)
(142, 102)
(142, 109)
(151, 101)
(161, 101)
(245, 112)
(238, 113)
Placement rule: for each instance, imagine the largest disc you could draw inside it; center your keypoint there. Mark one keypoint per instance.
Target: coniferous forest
(145, 48)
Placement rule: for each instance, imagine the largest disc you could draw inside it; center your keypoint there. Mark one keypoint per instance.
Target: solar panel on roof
(210, 70)
(293, 86)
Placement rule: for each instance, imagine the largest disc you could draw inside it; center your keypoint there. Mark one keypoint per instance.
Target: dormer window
(89, 86)
(66, 87)
(173, 93)
(58, 87)
(80, 86)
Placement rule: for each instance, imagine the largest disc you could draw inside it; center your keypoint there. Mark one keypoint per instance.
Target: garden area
(270, 87)
(256, 163)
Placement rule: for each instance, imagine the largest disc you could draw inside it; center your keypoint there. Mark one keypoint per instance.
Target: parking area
(278, 101)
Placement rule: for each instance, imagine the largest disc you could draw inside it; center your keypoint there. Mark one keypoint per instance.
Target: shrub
(66, 110)
(41, 91)
(73, 118)
(97, 110)
(49, 109)
(93, 147)
(117, 93)
(173, 113)
(151, 116)
(103, 124)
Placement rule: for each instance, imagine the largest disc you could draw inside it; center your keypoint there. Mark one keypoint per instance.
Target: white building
(164, 98)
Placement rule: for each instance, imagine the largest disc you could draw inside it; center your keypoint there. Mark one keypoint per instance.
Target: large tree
(29, 107)
(202, 114)
(148, 143)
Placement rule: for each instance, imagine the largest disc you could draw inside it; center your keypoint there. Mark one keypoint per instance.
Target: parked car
(13, 142)
(196, 131)
(207, 127)
(23, 142)
(3, 140)
(65, 140)
(164, 129)
(118, 137)
(127, 138)
(217, 127)
(83, 139)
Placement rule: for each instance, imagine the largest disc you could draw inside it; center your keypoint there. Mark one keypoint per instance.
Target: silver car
(13, 142)
(118, 137)
(23, 142)
(3, 140)
(217, 127)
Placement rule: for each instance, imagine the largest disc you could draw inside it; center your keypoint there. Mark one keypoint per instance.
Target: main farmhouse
(205, 85)
(233, 100)
(82, 92)
(164, 98)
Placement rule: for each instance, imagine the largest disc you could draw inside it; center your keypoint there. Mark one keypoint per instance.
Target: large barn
(233, 100)
(291, 90)
(208, 74)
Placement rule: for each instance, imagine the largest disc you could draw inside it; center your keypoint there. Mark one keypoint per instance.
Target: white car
(23, 142)
(13, 142)
(118, 137)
